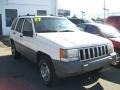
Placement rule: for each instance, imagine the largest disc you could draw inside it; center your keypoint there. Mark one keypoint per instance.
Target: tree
(74, 16)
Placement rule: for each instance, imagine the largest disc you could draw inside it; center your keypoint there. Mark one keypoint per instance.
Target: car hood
(74, 39)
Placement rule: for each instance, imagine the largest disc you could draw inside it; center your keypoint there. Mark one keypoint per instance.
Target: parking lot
(24, 75)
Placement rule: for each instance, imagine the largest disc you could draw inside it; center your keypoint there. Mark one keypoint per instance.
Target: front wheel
(116, 64)
(47, 71)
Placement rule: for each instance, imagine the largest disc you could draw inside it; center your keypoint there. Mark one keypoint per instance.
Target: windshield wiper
(66, 31)
(47, 31)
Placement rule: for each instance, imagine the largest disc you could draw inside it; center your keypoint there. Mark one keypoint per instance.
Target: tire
(116, 64)
(47, 71)
(15, 53)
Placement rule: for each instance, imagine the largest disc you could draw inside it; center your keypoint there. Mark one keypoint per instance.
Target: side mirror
(28, 33)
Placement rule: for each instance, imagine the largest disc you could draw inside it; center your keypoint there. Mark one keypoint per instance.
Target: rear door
(28, 40)
(12, 31)
(17, 34)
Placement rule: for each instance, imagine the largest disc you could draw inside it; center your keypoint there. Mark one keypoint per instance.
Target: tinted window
(92, 29)
(27, 25)
(53, 25)
(62, 12)
(82, 26)
(10, 15)
(41, 12)
(14, 24)
(77, 21)
(19, 25)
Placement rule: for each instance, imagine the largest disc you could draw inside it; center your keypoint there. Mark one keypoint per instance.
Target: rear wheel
(15, 54)
(47, 71)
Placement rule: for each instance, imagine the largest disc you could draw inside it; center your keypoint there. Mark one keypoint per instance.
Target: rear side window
(14, 24)
(92, 29)
(19, 24)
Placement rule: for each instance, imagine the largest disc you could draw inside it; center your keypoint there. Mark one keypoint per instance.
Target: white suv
(58, 47)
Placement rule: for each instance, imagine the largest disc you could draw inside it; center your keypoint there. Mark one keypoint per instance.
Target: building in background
(9, 9)
(62, 12)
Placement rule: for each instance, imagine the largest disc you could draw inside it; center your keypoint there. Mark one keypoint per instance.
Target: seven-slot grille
(93, 52)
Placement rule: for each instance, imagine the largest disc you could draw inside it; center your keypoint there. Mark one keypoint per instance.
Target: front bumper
(65, 69)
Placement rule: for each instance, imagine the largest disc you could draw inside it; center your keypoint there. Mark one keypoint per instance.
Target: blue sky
(92, 8)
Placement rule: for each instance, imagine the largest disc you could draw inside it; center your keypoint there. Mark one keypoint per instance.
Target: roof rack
(26, 15)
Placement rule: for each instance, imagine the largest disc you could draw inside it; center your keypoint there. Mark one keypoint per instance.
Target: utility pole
(83, 14)
(107, 12)
(104, 9)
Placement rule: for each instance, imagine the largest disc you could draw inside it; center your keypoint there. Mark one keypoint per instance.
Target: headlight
(110, 47)
(69, 54)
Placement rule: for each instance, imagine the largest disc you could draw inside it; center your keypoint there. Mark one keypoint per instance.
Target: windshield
(110, 31)
(77, 21)
(50, 24)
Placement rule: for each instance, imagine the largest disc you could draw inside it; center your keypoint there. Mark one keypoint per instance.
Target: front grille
(93, 52)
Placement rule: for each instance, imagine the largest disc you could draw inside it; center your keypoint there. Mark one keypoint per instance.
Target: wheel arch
(41, 55)
(11, 41)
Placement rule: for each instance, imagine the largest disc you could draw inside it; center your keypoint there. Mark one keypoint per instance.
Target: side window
(27, 25)
(19, 25)
(82, 27)
(14, 24)
(93, 30)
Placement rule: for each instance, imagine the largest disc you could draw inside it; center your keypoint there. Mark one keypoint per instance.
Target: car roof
(96, 24)
(40, 16)
(113, 17)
